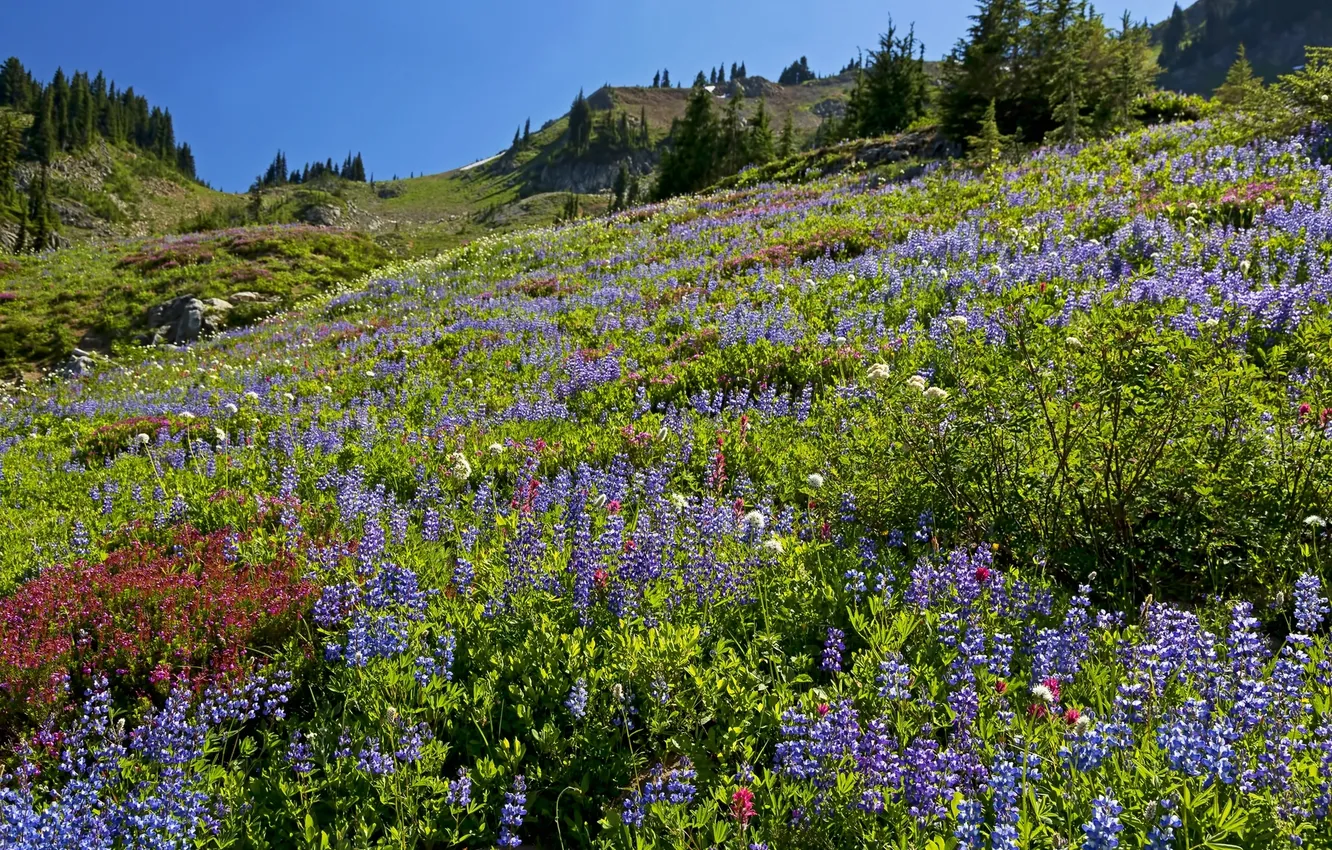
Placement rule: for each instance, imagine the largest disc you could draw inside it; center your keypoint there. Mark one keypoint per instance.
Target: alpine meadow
(931, 455)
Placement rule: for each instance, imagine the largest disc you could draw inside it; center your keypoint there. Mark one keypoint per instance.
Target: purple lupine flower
(1102, 831)
(833, 647)
(511, 816)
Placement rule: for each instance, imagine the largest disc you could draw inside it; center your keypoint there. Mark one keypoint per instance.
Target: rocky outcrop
(588, 176)
(322, 215)
(183, 320)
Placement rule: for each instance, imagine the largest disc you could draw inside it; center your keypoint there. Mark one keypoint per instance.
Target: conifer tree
(1240, 83)
(734, 141)
(987, 146)
(721, 74)
(700, 81)
(786, 142)
(358, 168)
(517, 138)
(1172, 36)
(761, 146)
(15, 91)
(39, 216)
(656, 80)
(631, 198)
(10, 146)
(691, 162)
(185, 161)
(665, 78)
(894, 88)
(580, 124)
(42, 135)
(743, 73)
(60, 109)
(644, 136)
(735, 72)
(1134, 72)
(527, 131)
(621, 188)
(981, 68)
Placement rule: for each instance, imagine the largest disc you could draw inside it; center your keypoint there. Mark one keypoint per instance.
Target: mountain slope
(1273, 32)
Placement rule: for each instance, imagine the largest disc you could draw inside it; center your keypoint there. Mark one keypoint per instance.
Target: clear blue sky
(429, 85)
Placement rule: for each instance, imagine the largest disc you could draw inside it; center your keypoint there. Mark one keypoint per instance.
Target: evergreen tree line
(704, 146)
(71, 113)
(796, 73)
(1053, 70)
(891, 91)
(1224, 25)
(277, 174)
(611, 131)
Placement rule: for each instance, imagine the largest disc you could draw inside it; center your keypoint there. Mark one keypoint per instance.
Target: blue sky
(427, 86)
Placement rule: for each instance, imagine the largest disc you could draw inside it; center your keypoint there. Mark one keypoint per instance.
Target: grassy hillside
(97, 295)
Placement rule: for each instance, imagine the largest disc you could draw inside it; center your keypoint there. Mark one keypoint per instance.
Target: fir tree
(60, 109)
(185, 162)
(1173, 35)
(743, 73)
(981, 68)
(10, 146)
(621, 188)
(15, 90)
(580, 124)
(665, 78)
(734, 140)
(700, 81)
(712, 77)
(786, 142)
(735, 72)
(644, 136)
(527, 132)
(656, 80)
(517, 138)
(1134, 72)
(894, 90)
(39, 215)
(1240, 83)
(42, 136)
(631, 198)
(987, 146)
(691, 162)
(761, 146)
(358, 168)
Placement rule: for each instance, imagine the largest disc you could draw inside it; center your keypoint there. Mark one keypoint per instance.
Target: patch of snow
(482, 162)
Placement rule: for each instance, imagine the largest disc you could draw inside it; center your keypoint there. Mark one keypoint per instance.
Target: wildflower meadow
(983, 509)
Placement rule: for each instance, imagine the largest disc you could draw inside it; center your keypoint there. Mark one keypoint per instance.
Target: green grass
(100, 294)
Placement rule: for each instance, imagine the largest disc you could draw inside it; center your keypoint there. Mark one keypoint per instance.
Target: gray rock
(217, 304)
(190, 323)
(322, 215)
(588, 176)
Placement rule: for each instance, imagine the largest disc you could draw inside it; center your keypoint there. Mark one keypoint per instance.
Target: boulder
(322, 215)
(245, 298)
(190, 323)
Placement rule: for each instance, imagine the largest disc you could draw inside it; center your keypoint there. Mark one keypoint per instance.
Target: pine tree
(1240, 83)
(656, 80)
(621, 188)
(644, 136)
(761, 147)
(631, 198)
(987, 146)
(60, 109)
(734, 141)
(691, 162)
(665, 78)
(42, 136)
(721, 74)
(981, 68)
(700, 81)
(358, 168)
(743, 73)
(39, 215)
(895, 88)
(15, 91)
(735, 72)
(580, 124)
(10, 145)
(1173, 35)
(185, 162)
(1134, 72)
(527, 132)
(517, 138)
(786, 142)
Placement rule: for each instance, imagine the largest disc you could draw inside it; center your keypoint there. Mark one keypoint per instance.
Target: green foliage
(1241, 85)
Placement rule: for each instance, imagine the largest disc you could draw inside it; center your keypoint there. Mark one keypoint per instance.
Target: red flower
(1305, 410)
(1071, 716)
(982, 574)
(1000, 687)
(823, 709)
(1036, 710)
(601, 578)
(613, 506)
(742, 806)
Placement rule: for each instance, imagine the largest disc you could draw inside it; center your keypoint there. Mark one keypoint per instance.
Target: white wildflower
(496, 449)
(880, 372)
(679, 501)
(289, 397)
(937, 392)
(1083, 723)
(185, 414)
(1073, 342)
(230, 408)
(252, 395)
(755, 521)
(1315, 521)
(220, 435)
(917, 381)
(1043, 692)
(841, 340)
(461, 468)
(958, 322)
(1245, 265)
(599, 501)
(814, 480)
(369, 373)
(773, 544)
